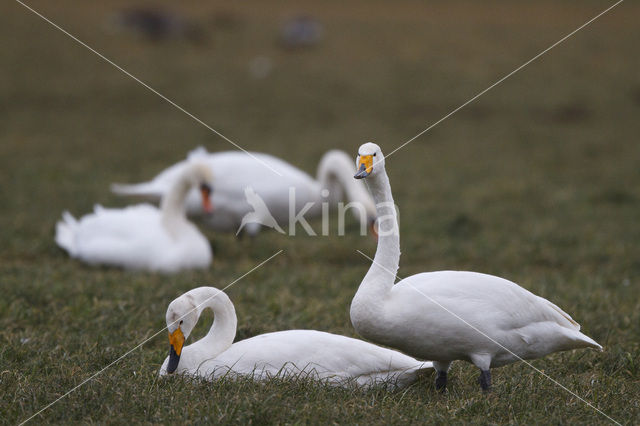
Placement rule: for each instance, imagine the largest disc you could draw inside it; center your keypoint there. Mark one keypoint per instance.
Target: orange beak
(365, 168)
(176, 341)
(205, 191)
(373, 227)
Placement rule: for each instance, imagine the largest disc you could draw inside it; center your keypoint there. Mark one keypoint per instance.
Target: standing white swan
(143, 236)
(234, 171)
(447, 315)
(317, 355)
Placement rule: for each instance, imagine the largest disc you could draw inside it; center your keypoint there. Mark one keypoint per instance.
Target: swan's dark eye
(181, 321)
(205, 187)
(374, 154)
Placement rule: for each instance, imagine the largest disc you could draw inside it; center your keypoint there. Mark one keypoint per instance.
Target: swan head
(369, 160)
(200, 175)
(182, 316)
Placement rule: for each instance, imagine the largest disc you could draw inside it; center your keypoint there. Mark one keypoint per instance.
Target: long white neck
(223, 331)
(368, 303)
(172, 206)
(335, 173)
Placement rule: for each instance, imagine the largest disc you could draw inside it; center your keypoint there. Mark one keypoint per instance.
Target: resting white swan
(338, 360)
(424, 315)
(143, 236)
(234, 171)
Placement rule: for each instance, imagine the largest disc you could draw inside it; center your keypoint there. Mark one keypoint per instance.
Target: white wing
(337, 359)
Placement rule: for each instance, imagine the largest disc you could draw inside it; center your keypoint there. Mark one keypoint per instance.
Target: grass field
(538, 181)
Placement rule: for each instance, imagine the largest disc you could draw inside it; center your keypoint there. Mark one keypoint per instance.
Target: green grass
(537, 181)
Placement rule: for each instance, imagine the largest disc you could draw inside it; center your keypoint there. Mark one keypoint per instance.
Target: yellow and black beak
(366, 166)
(176, 341)
(205, 191)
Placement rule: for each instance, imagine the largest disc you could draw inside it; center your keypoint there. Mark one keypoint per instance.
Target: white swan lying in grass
(234, 171)
(143, 236)
(338, 360)
(450, 315)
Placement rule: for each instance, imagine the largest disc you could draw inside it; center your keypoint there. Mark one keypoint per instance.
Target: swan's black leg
(485, 380)
(441, 380)
(441, 368)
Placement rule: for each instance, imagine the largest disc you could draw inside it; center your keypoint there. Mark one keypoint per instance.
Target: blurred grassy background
(537, 181)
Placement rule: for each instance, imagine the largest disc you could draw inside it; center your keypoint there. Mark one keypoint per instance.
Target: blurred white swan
(142, 236)
(234, 171)
(450, 315)
(337, 360)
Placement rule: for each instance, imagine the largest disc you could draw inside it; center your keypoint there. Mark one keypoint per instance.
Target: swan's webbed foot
(485, 380)
(441, 380)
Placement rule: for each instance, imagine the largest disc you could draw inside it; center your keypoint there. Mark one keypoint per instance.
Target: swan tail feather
(585, 341)
(65, 232)
(422, 368)
(403, 377)
(572, 329)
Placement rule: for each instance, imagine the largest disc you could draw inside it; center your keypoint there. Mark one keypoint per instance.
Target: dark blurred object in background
(301, 32)
(156, 25)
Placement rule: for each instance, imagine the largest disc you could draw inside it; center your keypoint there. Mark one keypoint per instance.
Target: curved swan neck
(336, 167)
(387, 259)
(223, 331)
(368, 303)
(173, 203)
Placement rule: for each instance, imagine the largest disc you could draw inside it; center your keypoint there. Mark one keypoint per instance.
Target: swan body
(235, 171)
(331, 358)
(450, 315)
(142, 237)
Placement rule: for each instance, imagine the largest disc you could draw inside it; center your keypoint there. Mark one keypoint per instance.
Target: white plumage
(141, 236)
(450, 315)
(316, 355)
(234, 171)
